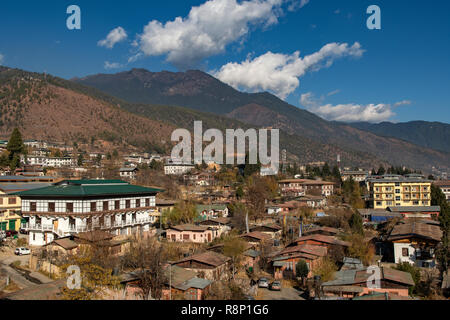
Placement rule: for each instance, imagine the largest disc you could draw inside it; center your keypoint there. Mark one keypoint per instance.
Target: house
(208, 265)
(75, 206)
(378, 215)
(353, 283)
(444, 185)
(128, 173)
(44, 161)
(300, 187)
(177, 168)
(273, 230)
(319, 240)
(180, 282)
(398, 191)
(427, 212)
(273, 209)
(62, 246)
(285, 262)
(312, 201)
(327, 231)
(206, 211)
(357, 175)
(256, 238)
(191, 233)
(184, 282)
(163, 205)
(220, 224)
(415, 243)
(251, 258)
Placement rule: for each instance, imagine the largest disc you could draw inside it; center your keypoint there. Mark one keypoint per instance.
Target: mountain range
(120, 111)
(201, 92)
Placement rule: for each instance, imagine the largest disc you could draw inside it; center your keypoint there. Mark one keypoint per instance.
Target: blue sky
(398, 73)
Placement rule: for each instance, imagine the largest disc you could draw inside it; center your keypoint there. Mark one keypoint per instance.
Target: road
(284, 294)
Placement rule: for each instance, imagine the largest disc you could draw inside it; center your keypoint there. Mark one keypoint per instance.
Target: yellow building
(399, 191)
(9, 212)
(10, 205)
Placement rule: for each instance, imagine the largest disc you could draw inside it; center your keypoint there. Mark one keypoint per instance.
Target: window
(1, 200)
(33, 206)
(405, 252)
(185, 237)
(378, 203)
(127, 204)
(105, 206)
(93, 206)
(415, 202)
(147, 202)
(138, 203)
(397, 198)
(117, 204)
(397, 190)
(12, 200)
(69, 207)
(51, 207)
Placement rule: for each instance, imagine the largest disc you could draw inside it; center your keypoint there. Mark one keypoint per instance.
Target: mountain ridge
(202, 92)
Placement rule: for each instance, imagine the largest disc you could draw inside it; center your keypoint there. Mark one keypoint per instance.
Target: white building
(358, 176)
(55, 162)
(128, 173)
(176, 168)
(74, 206)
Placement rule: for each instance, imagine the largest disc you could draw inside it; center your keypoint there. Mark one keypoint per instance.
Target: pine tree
(443, 253)
(16, 148)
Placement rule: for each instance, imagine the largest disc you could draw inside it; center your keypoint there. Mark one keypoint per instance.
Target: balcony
(84, 228)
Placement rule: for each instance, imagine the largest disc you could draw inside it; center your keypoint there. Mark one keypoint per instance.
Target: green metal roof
(83, 188)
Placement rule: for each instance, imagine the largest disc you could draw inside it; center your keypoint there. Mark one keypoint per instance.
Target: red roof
(306, 248)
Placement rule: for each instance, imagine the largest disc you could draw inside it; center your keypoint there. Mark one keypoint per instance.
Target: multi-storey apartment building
(74, 206)
(399, 191)
(299, 187)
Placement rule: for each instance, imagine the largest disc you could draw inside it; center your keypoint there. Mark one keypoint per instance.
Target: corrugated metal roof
(82, 188)
(197, 283)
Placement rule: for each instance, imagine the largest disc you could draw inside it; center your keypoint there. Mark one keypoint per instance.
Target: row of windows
(104, 206)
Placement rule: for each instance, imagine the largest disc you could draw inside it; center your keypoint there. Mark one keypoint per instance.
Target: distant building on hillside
(358, 176)
(177, 168)
(300, 187)
(445, 187)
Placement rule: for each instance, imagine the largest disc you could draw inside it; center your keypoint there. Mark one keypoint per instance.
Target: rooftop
(209, 257)
(88, 188)
(416, 230)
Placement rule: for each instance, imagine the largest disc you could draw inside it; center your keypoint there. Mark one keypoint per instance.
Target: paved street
(284, 294)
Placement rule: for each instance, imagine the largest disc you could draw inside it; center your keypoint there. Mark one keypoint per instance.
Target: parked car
(22, 251)
(23, 231)
(275, 286)
(11, 233)
(263, 283)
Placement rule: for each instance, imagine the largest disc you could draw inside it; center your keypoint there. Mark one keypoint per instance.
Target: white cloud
(280, 73)
(332, 93)
(295, 4)
(337, 11)
(114, 36)
(350, 112)
(207, 29)
(112, 65)
(2, 57)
